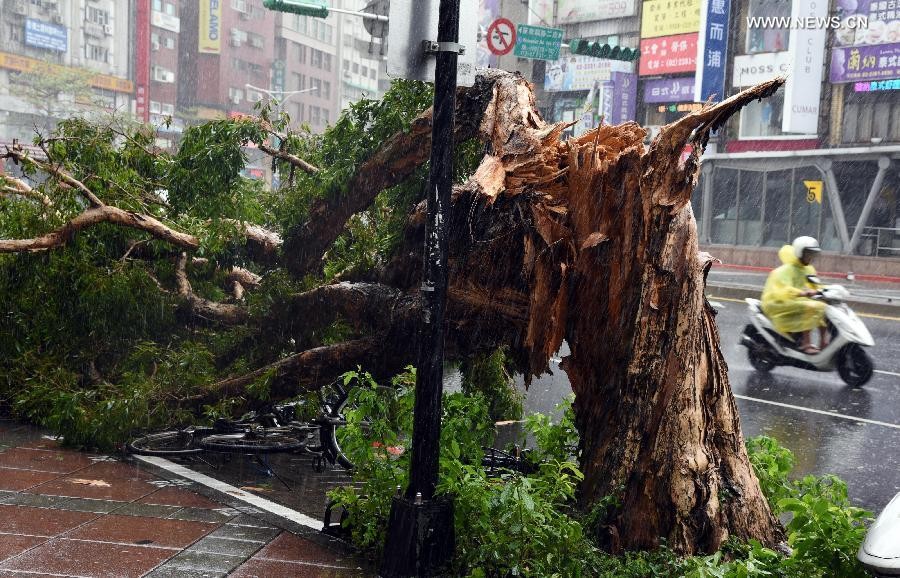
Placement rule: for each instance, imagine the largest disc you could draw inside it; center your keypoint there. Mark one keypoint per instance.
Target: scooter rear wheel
(854, 365)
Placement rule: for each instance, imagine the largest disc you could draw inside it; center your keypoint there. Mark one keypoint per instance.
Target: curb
(886, 307)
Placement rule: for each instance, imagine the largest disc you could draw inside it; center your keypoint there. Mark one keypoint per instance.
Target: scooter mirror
(813, 279)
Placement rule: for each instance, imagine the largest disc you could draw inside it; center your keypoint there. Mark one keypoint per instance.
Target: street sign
(501, 36)
(813, 191)
(538, 42)
(314, 8)
(415, 21)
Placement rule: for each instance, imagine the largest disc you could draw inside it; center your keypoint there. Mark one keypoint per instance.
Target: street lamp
(289, 93)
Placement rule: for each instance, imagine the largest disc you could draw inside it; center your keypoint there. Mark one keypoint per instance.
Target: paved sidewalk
(65, 513)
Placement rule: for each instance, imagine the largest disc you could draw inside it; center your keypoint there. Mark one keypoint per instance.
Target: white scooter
(768, 349)
(880, 551)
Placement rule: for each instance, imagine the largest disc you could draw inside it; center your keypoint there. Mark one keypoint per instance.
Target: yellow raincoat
(781, 300)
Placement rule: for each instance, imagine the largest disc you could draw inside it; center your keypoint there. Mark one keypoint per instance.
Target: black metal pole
(420, 536)
(430, 360)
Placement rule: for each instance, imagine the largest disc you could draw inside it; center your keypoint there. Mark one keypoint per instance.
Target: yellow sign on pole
(210, 41)
(813, 191)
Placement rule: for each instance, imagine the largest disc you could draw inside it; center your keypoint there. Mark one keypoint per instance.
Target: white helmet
(801, 244)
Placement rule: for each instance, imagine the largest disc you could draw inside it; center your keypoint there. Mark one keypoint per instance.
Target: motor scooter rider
(786, 296)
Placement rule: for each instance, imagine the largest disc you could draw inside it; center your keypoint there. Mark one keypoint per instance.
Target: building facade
(62, 55)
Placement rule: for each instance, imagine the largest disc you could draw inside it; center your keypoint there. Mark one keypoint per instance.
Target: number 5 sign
(501, 36)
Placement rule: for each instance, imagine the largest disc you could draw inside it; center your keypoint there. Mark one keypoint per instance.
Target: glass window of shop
(768, 39)
(769, 208)
(762, 118)
(724, 206)
(870, 115)
(777, 207)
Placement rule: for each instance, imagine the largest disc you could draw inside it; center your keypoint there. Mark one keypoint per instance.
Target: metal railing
(878, 241)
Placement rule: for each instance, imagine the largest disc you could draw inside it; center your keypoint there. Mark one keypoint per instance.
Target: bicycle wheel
(331, 431)
(252, 442)
(169, 443)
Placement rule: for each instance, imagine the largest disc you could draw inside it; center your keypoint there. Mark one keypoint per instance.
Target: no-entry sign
(501, 36)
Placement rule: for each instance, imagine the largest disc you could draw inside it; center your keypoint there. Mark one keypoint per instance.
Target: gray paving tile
(248, 533)
(246, 520)
(37, 500)
(147, 510)
(88, 505)
(201, 515)
(209, 562)
(167, 571)
(214, 545)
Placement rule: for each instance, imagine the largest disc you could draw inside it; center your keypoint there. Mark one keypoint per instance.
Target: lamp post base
(421, 538)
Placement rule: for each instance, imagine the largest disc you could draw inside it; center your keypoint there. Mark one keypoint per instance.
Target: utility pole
(420, 535)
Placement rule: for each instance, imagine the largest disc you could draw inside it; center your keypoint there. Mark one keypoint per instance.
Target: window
(170, 9)
(364, 70)
(154, 107)
(235, 95)
(301, 53)
(255, 40)
(97, 16)
(346, 64)
(168, 109)
(299, 81)
(316, 84)
(96, 53)
(768, 39)
(170, 42)
(326, 62)
(355, 67)
(315, 58)
(315, 115)
(762, 118)
(870, 115)
(157, 5)
(160, 74)
(154, 41)
(254, 95)
(325, 116)
(326, 86)
(299, 109)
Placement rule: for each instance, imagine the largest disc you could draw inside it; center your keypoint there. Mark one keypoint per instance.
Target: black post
(420, 535)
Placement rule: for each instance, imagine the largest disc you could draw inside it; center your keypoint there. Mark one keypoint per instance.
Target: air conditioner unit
(236, 99)
(154, 45)
(57, 19)
(236, 42)
(20, 7)
(107, 29)
(245, 16)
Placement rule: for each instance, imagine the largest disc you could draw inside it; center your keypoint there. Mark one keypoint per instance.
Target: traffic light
(314, 8)
(597, 50)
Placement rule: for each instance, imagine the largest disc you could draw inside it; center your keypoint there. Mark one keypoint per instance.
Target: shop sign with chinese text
(569, 11)
(712, 50)
(580, 72)
(668, 55)
(862, 63)
(669, 17)
(680, 89)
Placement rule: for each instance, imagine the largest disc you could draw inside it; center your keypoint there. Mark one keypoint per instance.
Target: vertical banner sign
(804, 85)
(712, 50)
(210, 27)
(142, 62)
(624, 98)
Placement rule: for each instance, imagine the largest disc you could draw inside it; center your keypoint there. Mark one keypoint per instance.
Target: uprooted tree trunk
(590, 241)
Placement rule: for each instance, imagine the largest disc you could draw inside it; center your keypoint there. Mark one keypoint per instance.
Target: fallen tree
(588, 240)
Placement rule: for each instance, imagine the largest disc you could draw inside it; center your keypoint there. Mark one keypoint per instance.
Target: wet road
(866, 454)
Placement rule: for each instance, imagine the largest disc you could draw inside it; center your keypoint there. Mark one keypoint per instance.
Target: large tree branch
(19, 155)
(94, 216)
(390, 165)
(18, 187)
(288, 157)
(204, 308)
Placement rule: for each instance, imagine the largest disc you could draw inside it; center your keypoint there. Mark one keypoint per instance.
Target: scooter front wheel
(854, 365)
(760, 360)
